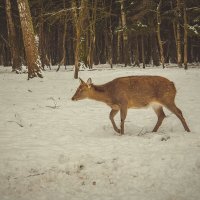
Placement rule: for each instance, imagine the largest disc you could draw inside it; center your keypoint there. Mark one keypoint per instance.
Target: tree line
(41, 33)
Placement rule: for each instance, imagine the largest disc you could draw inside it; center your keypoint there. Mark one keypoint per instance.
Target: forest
(83, 33)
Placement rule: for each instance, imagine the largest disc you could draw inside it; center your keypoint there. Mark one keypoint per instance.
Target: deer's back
(140, 91)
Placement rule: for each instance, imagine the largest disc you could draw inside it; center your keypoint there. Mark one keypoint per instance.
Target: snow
(53, 148)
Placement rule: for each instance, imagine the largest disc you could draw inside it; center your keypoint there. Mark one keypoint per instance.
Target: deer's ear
(89, 81)
(81, 81)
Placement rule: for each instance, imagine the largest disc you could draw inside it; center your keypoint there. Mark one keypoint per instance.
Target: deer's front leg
(112, 115)
(123, 113)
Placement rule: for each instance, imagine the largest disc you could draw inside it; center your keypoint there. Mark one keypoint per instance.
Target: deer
(135, 92)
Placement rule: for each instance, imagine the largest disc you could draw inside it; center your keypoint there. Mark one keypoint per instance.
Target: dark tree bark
(143, 50)
(42, 39)
(136, 52)
(185, 37)
(16, 63)
(63, 60)
(178, 34)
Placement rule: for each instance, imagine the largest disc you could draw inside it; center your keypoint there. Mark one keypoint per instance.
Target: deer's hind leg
(160, 114)
(173, 108)
(112, 115)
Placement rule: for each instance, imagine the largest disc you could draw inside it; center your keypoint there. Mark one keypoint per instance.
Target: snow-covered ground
(54, 149)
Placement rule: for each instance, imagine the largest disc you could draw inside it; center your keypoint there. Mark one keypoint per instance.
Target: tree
(16, 64)
(185, 36)
(41, 34)
(125, 34)
(158, 34)
(178, 33)
(64, 19)
(92, 31)
(29, 39)
(79, 19)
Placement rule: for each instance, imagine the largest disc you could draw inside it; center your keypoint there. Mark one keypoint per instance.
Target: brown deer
(133, 92)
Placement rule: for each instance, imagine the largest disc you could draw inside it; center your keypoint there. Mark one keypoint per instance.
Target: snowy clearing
(53, 148)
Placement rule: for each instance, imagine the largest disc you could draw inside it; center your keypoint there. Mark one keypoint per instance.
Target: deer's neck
(100, 93)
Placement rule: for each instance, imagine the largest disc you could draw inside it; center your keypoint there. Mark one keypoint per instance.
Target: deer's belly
(114, 106)
(135, 104)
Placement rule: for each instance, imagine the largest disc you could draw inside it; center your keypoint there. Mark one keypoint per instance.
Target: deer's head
(83, 91)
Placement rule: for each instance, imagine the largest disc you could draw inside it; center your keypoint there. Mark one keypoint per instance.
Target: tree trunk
(119, 46)
(125, 35)
(110, 51)
(92, 31)
(63, 60)
(77, 53)
(41, 37)
(90, 59)
(16, 63)
(31, 49)
(185, 37)
(174, 25)
(179, 56)
(143, 53)
(110, 38)
(79, 26)
(158, 34)
(136, 52)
